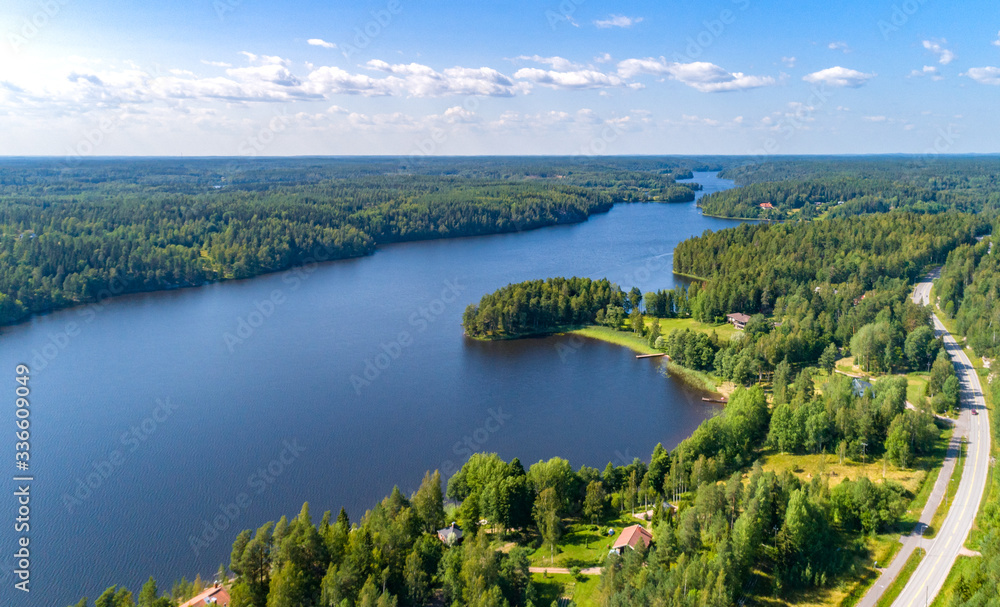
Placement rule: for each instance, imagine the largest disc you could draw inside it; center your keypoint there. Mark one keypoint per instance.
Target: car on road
(975, 411)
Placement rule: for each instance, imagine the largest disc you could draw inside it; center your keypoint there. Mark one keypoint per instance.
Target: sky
(399, 77)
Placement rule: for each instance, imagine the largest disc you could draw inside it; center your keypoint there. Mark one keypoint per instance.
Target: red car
(975, 411)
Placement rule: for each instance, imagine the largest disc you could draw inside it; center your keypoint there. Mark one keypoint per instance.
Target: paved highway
(930, 575)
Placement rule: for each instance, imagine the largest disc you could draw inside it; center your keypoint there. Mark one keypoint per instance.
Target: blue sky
(246, 77)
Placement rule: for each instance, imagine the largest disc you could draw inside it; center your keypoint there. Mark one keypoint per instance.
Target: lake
(165, 423)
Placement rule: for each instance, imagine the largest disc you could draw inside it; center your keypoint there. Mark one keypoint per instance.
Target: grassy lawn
(807, 466)
(555, 586)
(949, 496)
(904, 576)
(573, 549)
(630, 340)
(916, 387)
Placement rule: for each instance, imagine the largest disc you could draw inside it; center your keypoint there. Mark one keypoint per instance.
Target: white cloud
(605, 58)
(928, 70)
(944, 55)
(418, 80)
(984, 75)
(699, 75)
(839, 77)
(556, 63)
(320, 42)
(997, 41)
(217, 63)
(788, 61)
(617, 21)
(875, 118)
(578, 79)
(839, 46)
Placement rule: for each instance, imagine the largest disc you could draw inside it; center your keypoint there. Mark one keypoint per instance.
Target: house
(738, 320)
(451, 535)
(859, 386)
(630, 538)
(766, 205)
(217, 595)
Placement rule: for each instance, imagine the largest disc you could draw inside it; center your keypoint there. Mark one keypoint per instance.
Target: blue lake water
(158, 416)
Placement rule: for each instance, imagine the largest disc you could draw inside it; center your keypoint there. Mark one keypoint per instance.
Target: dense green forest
(80, 233)
(815, 289)
(739, 531)
(968, 291)
(838, 187)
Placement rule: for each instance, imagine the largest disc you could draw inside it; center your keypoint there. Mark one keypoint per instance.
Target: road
(928, 579)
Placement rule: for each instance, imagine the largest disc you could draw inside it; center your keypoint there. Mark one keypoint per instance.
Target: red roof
(631, 536)
(766, 205)
(214, 596)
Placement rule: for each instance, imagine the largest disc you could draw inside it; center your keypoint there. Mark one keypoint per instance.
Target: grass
(807, 466)
(552, 587)
(581, 545)
(630, 340)
(949, 496)
(916, 387)
(963, 565)
(892, 592)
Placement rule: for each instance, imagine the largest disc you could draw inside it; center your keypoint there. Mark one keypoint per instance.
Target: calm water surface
(328, 385)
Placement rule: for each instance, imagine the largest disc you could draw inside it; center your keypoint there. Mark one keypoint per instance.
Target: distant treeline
(806, 188)
(79, 233)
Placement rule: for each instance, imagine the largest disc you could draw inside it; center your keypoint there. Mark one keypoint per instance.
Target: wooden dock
(652, 355)
(714, 400)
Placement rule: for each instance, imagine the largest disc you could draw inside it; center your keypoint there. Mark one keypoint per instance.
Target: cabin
(738, 320)
(766, 205)
(450, 535)
(630, 538)
(859, 386)
(216, 596)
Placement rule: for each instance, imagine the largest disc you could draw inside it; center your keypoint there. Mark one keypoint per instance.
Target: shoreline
(695, 379)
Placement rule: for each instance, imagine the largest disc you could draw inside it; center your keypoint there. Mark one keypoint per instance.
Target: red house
(630, 538)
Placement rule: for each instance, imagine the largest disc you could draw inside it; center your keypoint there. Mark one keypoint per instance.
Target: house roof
(766, 205)
(216, 595)
(631, 536)
(450, 533)
(738, 317)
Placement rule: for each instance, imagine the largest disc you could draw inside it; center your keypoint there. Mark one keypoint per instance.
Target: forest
(842, 186)
(84, 232)
(737, 530)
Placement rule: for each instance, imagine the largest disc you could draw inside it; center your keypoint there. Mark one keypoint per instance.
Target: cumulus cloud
(984, 75)
(556, 63)
(997, 41)
(839, 46)
(699, 75)
(928, 70)
(839, 77)
(944, 55)
(576, 79)
(320, 42)
(617, 21)
(788, 61)
(217, 63)
(418, 80)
